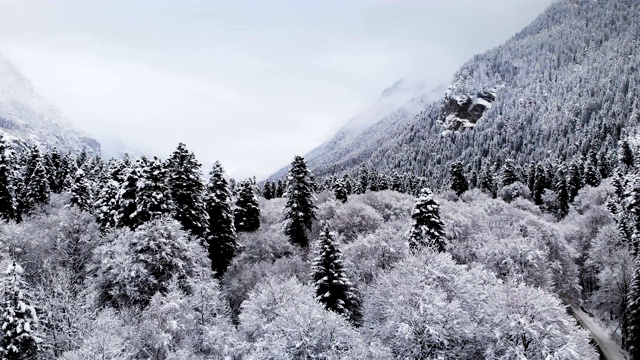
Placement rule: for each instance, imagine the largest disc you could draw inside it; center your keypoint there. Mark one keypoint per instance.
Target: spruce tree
(18, 318)
(574, 178)
(153, 199)
(333, 288)
(348, 184)
(531, 177)
(339, 191)
(427, 228)
(486, 183)
(363, 180)
(396, 182)
(246, 212)
(625, 155)
(299, 210)
(458, 182)
(280, 189)
(562, 194)
(81, 192)
(508, 175)
(540, 183)
(633, 319)
(187, 190)
(221, 236)
(373, 183)
(383, 183)
(126, 201)
(7, 191)
(37, 190)
(592, 176)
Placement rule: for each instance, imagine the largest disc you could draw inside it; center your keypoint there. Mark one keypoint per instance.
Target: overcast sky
(250, 83)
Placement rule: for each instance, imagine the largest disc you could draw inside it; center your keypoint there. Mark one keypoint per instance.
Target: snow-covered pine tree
(246, 212)
(299, 210)
(187, 190)
(81, 192)
(363, 180)
(333, 288)
(508, 175)
(633, 311)
(37, 190)
(348, 184)
(7, 191)
(625, 155)
(458, 182)
(339, 191)
(562, 193)
(592, 175)
(486, 183)
(396, 182)
(221, 236)
(540, 183)
(374, 184)
(574, 178)
(427, 228)
(18, 317)
(383, 183)
(126, 201)
(153, 199)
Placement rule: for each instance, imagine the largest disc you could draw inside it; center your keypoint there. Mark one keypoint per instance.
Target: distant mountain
(565, 86)
(396, 105)
(26, 118)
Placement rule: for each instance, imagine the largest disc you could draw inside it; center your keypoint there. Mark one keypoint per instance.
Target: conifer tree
(7, 191)
(280, 189)
(363, 180)
(333, 288)
(531, 177)
(562, 194)
(633, 319)
(299, 210)
(383, 183)
(591, 173)
(81, 192)
(540, 183)
(339, 191)
(126, 201)
(373, 185)
(153, 199)
(574, 178)
(458, 183)
(37, 190)
(246, 212)
(396, 182)
(221, 236)
(486, 183)
(508, 175)
(187, 190)
(427, 228)
(18, 317)
(625, 155)
(267, 191)
(348, 184)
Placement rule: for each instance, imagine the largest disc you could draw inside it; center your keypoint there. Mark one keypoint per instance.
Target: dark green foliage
(185, 184)
(592, 175)
(574, 178)
(339, 191)
(127, 206)
(427, 229)
(333, 288)
(509, 175)
(7, 191)
(81, 192)
(221, 235)
(562, 194)
(486, 183)
(633, 309)
(300, 211)
(540, 184)
(246, 212)
(37, 190)
(363, 180)
(153, 199)
(396, 182)
(625, 155)
(348, 184)
(458, 182)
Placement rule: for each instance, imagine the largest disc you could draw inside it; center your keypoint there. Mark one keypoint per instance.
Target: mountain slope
(26, 118)
(566, 84)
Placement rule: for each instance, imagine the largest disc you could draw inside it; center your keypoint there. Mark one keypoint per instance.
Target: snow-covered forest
(144, 258)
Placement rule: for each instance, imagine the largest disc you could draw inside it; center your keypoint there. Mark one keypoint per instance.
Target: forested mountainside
(565, 85)
(27, 119)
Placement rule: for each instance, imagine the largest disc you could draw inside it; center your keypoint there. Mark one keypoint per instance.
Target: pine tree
(574, 178)
(458, 182)
(396, 182)
(299, 208)
(625, 155)
(383, 183)
(339, 191)
(363, 180)
(508, 175)
(7, 191)
(540, 183)
(247, 211)
(487, 184)
(531, 177)
(187, 190)
(591, 173)
(18, 319)
(81, 192)
(427, 228)
(221, 236)
(374, 184)
(153, 199)
(633, 311)
(126, 201)
(267, 191)
(562, 194)
(348, 184)
(333, 288)
(37, 190)
(280, 189)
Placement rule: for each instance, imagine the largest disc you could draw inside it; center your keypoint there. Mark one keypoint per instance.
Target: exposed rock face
(461, 111)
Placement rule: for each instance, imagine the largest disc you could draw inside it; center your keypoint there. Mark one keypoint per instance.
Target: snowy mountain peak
(26, 118)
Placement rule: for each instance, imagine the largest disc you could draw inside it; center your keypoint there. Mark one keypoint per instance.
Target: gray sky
(250, 83)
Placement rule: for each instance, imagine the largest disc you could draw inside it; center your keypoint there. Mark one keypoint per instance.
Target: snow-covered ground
(609, 348)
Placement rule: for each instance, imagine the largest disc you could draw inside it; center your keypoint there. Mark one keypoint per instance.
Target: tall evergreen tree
(187, 190)
(540, 183)
(37, 190)
(280, 189)
(458, 182)
(363, 180)
(300, 210)
(531, 177)
(396, 182)
(508, 175)
(127, 195)
(562, 194)
(383, 183)
(339, 191)
(427, 228)
(246, 212)
(7, 191)
(221, 236)
(592, 176)
(18, 318)
(348, 184)
(633, 310)
(625, 155)
(574, 178)
(333, 288)
(486, 183)
(374, 184)
(81, 192)
(153, 199)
